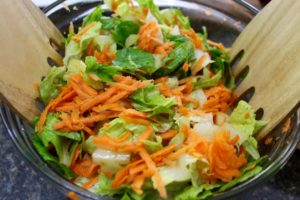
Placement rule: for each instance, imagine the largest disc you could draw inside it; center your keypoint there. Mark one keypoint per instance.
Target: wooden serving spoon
(270, 43)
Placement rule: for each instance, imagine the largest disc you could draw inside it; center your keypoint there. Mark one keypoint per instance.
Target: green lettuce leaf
(153, 146)
(250, 146)
(243, 120)
(104, 186)
(50, 84)
(75, 66)
(153, 8)
(171, 14)
(123, 30)
(64, 143)
(118, 126)
(181, 53)
(75, 49)
(51, 159)
(132, 60)
(197, 193)
(247, 175)
(202, 82)
(149, 99)
(104, 72)
(93, 16)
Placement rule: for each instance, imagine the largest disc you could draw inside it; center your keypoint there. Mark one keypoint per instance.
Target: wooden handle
(25, 47)
(272, 51)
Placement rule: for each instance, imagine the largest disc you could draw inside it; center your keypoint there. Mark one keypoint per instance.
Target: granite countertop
(19, 181)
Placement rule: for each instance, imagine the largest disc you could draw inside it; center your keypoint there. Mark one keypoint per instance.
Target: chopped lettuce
(135, 60)
(104, 72)
(153, 146)
(207, 82)
(182, 52)
(149, 99)
(110, 161)
(178, 172)
(197, 193)
(242, 119)
(118, 126)
(75, 49)
(152, 7)
(75, 66)
(123, 30)
(51, 159)
(94, 16)
(104, 186)
(50, 84)
(64, 143)
(247, 175)
(175, 17)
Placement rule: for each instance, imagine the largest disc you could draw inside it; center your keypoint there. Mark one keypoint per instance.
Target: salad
(144, 108)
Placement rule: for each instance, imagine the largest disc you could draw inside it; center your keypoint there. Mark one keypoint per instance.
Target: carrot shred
(130, 119)
(73, 196)
(198, 65)
(85, 167)
(146, 134)
(148, 37)
(192, 35)
(90, 183)
(185, 66)
(287, 125)
(77, 37)
(168, 135)
(151, 165)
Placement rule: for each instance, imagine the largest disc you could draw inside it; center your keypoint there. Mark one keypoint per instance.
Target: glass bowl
(224, 20)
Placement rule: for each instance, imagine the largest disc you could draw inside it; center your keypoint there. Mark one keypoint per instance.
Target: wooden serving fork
(269, 48)
(25, 37)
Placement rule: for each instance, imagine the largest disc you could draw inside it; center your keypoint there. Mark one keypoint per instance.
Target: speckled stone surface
(18, 181)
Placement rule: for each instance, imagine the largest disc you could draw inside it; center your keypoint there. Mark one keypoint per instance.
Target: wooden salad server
(25, 46)
(270, 43)
(271, 50)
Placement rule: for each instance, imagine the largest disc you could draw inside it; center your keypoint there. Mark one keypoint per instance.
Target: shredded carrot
(105, 56)
(124, 136)
(134, 113)
(287, 125)
(148, 37)
(198, 65)
(73, 196)
(151, 165)
(178, 153)
(192, 35)
(224, 161)
(214, 44)
(90, 183)
(111, 106)
(146, 134)
(130, 119)
(164, 49)
(268, 140)
(168, 135)
(85, 167)
(185, 66)
(219, 99)
(77, 37)
(100, 98)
